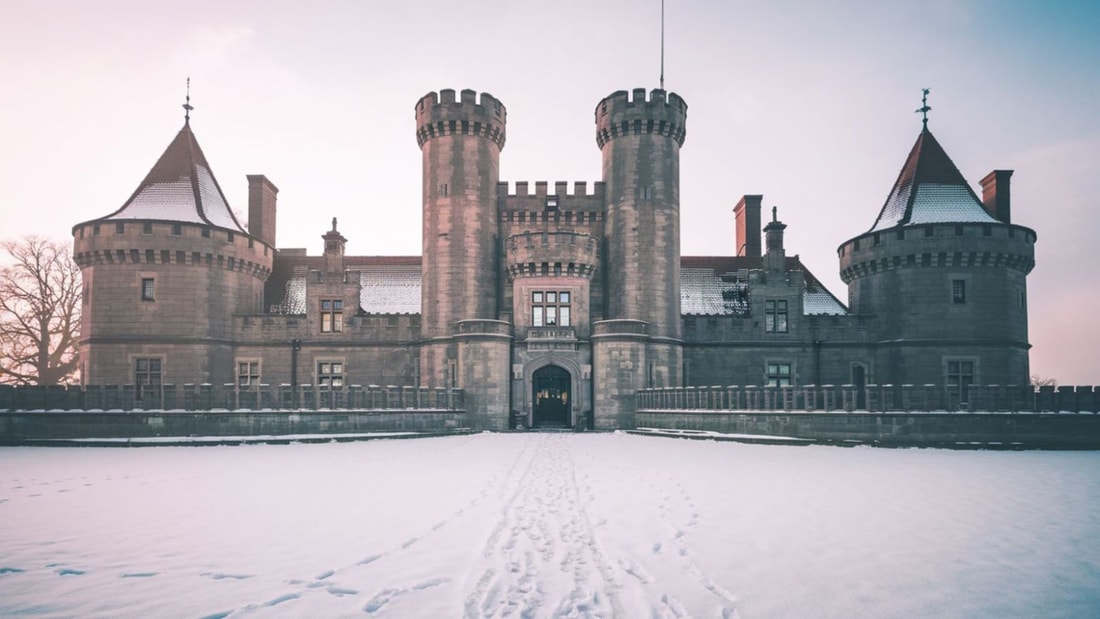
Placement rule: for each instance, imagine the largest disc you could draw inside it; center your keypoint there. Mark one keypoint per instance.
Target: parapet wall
(208, 397)
(622, 113)
(442, 114)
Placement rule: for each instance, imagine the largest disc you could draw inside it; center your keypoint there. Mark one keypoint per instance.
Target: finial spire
(775, 213)
(187, 105)
(924, 108)
(334, 224)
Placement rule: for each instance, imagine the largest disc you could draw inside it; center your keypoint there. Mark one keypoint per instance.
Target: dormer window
(332, 315)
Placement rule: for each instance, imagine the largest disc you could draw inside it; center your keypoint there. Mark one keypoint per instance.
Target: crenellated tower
(639, 343)
(460, 142)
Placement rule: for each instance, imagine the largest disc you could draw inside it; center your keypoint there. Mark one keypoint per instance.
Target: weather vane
(924, 108)
(187, 105)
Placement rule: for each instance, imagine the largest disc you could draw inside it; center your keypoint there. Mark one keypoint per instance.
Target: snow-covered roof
(930, 189)
(709, 286)
(718, 286)
(390, 289)
(180, 187)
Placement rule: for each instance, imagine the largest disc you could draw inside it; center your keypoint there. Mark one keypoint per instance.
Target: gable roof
(712, 285)
(930, 189)
(180, 187)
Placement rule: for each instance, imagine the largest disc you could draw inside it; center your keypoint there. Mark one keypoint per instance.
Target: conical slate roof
(930, 189)
(180, 187)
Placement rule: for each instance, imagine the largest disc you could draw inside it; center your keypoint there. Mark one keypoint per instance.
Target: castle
(553, 305)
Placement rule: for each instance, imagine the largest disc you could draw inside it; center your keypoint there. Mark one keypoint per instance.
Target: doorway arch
(552, 396)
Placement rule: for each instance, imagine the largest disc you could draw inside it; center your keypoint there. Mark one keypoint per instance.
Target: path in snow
(546, 525)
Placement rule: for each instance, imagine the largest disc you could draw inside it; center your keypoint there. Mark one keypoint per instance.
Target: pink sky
(810, 105)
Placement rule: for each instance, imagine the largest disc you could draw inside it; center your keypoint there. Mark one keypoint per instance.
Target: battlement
(635, 113)
(941, 245)
(443, 113)
(165, 242)
(561, 189)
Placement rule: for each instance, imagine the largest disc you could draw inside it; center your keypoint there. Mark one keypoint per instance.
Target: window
(960, 375)
(958, 291)
(332, 315)
(177, 229)
(330, 374)
(551, 203)
(248, 373)
(443, 190)
(206, 233)
(120, 228)
(147, 228)
(647, 193)
(229, 236)
(779, 375)
(775, 316)
(147, 375)
(148, 289)
(551, 308)
(95, 230)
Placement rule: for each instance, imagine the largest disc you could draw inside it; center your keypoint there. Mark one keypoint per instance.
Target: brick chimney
(996, 198)
(747, 219)
(261, 208)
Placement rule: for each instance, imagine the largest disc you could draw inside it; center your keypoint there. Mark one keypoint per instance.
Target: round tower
(640, 140)
(638, 345)
(460, 142)
(941, 282)
(164, 276)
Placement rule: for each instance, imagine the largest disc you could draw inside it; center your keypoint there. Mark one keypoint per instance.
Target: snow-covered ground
(547, 525)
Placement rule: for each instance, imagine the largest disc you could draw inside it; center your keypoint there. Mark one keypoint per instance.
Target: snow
(547, 525)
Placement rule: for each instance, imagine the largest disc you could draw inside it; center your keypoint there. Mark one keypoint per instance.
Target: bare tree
(1043, 381)
(40, 289)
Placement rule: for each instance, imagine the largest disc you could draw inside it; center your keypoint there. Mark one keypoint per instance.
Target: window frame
(148, 373)
(332, 315)
(555, 305)
(775, 372)
(776, 316)
(330, 372)
(148, 289)
(253, 368)
(957, 288)
(955, 370)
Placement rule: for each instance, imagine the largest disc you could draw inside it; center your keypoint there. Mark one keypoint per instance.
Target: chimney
(334, 251)
(776, 258)
(996, 198)
(747, 218)
(261, 208)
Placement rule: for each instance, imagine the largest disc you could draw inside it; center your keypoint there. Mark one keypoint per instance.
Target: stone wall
(970, 430)
(32, 427)
(882, 398)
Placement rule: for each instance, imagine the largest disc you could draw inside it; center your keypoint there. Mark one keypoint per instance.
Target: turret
(465, 347)
(942, 281)
(174, 250)
(640, 139)
(639, 343)
(460, 142)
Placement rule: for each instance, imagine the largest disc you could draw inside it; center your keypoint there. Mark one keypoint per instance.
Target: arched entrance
(551, 394)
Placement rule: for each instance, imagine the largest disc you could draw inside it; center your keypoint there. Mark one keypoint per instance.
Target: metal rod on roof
(187, 105)
(662, 44)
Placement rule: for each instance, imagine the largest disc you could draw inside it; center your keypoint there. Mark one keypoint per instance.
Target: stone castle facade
(553, 305)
